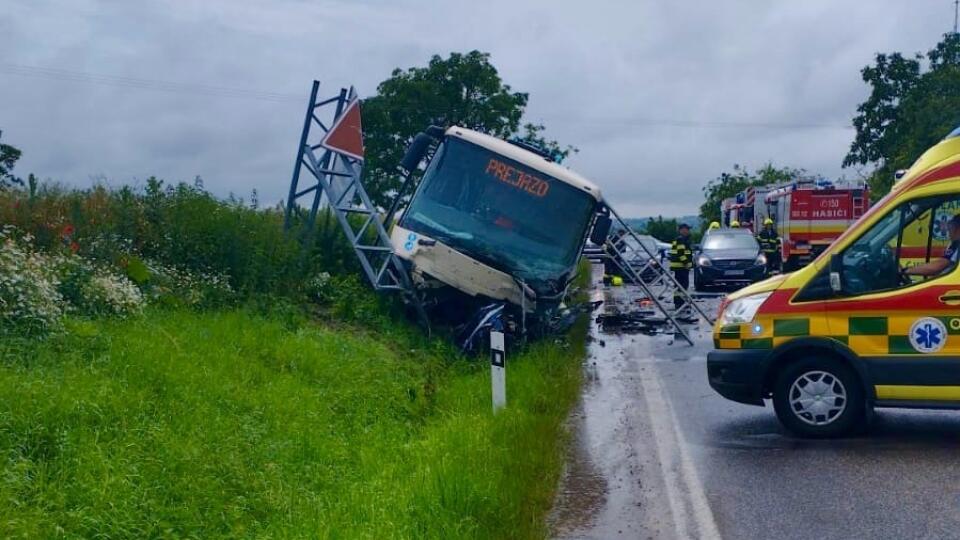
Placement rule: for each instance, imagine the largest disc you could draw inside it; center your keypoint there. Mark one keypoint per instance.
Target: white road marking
(692, 516)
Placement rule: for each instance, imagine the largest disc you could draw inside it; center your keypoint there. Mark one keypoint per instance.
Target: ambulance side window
(911, 234)
(911, 244)
(939, 235)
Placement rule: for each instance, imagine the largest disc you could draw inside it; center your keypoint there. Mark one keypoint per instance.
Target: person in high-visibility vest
(770, 245)
(681, 261)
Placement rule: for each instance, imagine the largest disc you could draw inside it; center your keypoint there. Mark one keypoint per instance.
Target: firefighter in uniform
(770, 244)
(681, 261)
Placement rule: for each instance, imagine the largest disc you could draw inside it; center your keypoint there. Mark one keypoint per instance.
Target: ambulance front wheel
(819, 398)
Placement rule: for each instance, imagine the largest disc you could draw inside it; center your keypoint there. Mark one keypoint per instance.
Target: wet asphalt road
(658, 454)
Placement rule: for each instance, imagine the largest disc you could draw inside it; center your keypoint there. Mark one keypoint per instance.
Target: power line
(666, 122)
(277, 97)
(145, 84)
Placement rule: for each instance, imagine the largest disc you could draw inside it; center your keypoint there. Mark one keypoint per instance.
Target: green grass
(230, 424)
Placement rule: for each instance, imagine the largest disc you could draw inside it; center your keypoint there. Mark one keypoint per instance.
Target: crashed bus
(495, 226)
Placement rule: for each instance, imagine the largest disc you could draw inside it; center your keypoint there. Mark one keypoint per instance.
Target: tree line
(914, 101)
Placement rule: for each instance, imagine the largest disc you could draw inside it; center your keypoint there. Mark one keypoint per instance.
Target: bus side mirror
(601, 229)
(836, 272)
(416, 151)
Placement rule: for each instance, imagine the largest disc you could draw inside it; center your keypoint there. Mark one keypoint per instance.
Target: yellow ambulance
(858, 328)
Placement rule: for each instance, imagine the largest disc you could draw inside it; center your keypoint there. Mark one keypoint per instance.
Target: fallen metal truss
(334, 176)
(642, 267)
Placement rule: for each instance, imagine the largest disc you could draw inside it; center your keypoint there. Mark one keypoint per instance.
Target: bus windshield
(500, 212)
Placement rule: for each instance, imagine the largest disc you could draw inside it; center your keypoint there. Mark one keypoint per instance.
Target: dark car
(636, 255)
(728, 258)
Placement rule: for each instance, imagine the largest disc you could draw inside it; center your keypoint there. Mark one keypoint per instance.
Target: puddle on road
(606, 490)
(583, 490)
(601, 495)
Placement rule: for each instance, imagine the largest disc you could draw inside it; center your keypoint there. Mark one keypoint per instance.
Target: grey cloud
(626, 82)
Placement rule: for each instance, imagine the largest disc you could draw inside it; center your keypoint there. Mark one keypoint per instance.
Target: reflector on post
(498, 370)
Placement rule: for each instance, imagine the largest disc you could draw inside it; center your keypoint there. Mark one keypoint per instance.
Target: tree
(664, 230)
(8, 158)
(913, 103)
(533, 134)
(463, 89)
(728, 184)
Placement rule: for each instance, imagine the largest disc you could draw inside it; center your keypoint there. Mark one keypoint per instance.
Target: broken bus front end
(493, 223)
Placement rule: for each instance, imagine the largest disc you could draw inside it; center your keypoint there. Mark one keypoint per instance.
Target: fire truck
(808, 213)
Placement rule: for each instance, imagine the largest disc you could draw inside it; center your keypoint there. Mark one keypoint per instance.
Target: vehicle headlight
(743, 310)
(703, 260)
(761, 259)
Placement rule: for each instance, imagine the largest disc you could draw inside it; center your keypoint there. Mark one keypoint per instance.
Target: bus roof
(527, 158)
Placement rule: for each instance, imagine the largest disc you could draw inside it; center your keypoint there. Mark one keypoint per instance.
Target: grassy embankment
(185, 424)
(202, 402)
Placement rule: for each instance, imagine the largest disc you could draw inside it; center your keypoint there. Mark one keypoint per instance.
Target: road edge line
(670, 435)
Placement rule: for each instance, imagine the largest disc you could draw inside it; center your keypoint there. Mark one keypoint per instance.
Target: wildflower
(110, 294)
(29, 300)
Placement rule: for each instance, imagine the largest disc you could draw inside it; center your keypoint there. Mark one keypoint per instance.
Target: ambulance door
(906, 330)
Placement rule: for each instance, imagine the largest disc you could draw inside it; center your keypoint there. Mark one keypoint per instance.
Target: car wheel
(818, 398)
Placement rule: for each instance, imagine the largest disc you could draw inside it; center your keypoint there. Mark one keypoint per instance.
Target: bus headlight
(743, 310)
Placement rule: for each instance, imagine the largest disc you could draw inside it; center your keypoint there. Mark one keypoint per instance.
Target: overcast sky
(659, 95)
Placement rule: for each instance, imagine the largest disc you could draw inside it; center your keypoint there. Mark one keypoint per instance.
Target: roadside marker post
(498, 370)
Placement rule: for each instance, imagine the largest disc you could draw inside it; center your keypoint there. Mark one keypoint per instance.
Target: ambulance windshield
(501, 212)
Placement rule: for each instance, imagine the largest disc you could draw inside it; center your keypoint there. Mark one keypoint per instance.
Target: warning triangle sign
(346, 134)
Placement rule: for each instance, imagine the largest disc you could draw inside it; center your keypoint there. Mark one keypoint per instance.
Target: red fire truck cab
(809, 214)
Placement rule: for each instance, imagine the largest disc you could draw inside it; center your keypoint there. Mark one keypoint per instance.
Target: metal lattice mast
(336, 176)
(654, 287)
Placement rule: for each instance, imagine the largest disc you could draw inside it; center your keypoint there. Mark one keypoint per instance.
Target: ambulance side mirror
(601, 229)
(836, 273)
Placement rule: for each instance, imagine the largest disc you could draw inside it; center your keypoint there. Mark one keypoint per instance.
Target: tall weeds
(180, 225)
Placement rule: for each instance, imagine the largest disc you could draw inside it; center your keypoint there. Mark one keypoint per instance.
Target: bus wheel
(818, 398)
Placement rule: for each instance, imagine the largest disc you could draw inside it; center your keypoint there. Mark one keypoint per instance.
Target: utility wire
(276, 97)
(708, 123)
(144, 84)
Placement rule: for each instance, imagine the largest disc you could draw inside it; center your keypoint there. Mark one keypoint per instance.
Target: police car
(874, 321)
